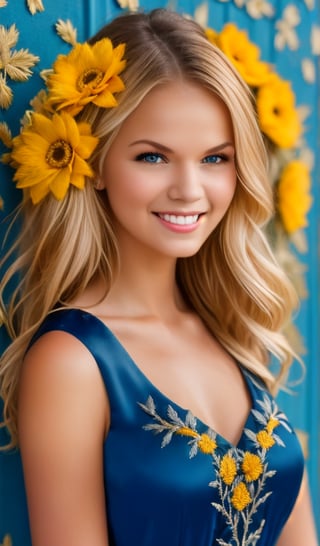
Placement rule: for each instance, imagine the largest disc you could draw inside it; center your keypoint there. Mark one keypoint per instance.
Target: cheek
(222, 193)
(128, 185)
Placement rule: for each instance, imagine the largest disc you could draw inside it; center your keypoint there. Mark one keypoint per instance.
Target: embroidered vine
(240, 477)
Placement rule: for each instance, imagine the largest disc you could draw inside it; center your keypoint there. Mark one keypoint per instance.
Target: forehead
(178, 108)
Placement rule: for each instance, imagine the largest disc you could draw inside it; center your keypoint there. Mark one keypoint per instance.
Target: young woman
(137, 384)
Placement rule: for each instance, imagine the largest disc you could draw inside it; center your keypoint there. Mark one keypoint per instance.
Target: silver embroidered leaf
(149, 406)
(259, 417)
(278, 440)
(218, 507)
(173, 415)
(191, 421)
(193, 450)
(251, 435)
(167, 438)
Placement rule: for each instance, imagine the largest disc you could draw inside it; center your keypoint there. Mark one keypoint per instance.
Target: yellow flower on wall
(278, 117)
(243, 54)
(294, 199)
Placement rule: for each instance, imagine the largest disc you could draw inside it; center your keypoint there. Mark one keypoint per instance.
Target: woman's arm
(300, 528)
(63, 411)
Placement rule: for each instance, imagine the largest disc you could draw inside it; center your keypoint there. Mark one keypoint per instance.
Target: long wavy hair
(233, 282)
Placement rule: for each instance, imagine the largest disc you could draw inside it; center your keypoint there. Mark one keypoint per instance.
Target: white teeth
(180, 220)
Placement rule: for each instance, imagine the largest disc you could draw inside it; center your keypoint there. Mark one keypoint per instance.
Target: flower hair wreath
(52, 150)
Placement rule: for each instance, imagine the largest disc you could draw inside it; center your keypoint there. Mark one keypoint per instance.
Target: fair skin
(170, 177)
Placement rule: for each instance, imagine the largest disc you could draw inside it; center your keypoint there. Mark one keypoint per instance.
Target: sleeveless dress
(170, 480)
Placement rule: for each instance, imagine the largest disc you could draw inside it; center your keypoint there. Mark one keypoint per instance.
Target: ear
(98, 184)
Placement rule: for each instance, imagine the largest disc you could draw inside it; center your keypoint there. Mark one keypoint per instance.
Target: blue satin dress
(172, 481)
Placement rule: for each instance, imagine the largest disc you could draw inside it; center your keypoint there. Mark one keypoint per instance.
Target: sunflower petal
(81, 167)
(37, 193)
(60, 184)
(86, 146)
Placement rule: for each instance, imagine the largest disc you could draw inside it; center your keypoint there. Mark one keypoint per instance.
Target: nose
(186, 184)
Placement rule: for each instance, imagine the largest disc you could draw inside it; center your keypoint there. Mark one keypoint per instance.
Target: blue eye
(213, 159)
(150, 157)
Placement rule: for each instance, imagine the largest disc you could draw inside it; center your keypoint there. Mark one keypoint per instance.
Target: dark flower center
(59, 154)
(91, 77)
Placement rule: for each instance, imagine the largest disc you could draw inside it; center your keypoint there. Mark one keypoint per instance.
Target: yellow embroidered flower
(244, 55)
(50, 155)
(265, 439)
(206, 444)
(294, 199)
(278, 117)
(228, 469)
(240, 497)
(272, 424)
(251, 466)
(186, 431)
(6, 541)
(87, 74)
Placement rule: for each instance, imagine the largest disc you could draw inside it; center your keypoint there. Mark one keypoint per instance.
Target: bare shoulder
(59, 352)
(58, 364)
(62, 411)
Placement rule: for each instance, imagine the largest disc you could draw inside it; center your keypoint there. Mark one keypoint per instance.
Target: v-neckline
(160, 394)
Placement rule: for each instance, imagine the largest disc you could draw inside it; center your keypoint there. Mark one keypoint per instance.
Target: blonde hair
(233, 282)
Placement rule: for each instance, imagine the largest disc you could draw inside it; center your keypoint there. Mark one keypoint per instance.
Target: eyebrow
(164, 148)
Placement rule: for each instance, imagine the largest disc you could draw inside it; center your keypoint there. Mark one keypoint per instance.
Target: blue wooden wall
(37, 33)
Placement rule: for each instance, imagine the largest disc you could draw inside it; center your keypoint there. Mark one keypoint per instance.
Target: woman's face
(170, 172)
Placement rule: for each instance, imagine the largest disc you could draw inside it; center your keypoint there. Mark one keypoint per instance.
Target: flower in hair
(50, 154)
(53, 148)
(87, 74)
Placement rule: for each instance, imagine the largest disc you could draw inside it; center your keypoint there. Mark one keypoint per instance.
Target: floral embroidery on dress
(240, 477)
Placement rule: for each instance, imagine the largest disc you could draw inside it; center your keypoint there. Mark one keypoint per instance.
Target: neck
(142, 291)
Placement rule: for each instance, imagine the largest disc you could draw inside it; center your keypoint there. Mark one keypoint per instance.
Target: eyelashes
(215, 159)
(156, 158)
(151, 157)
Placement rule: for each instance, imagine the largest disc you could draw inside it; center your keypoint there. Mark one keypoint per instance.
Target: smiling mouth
(179, 219)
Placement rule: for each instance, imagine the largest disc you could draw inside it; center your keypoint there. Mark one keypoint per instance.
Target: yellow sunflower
(294, 199)
(87, 74)
(50, 154)
(243, 54)
(278, 117)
